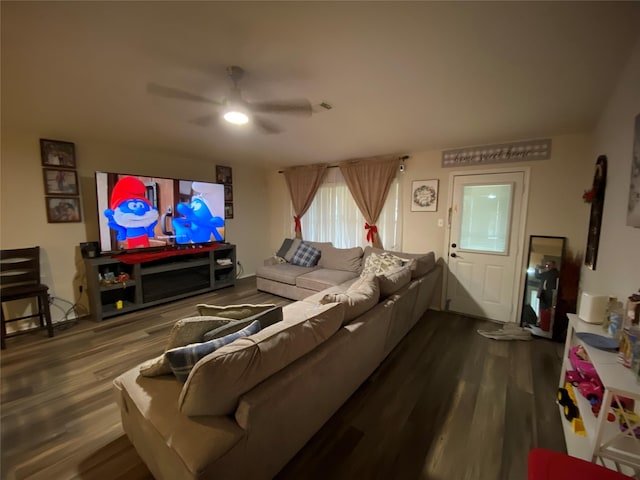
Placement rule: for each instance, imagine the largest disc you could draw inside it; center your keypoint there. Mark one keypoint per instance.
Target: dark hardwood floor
(446, 404)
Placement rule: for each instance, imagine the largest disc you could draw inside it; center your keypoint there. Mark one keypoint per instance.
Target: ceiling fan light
(236, 117)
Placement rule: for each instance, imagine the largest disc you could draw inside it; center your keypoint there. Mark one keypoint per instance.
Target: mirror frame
(525, 300)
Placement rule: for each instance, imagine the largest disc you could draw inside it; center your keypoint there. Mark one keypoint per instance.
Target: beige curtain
(369, 180)
(303, 183)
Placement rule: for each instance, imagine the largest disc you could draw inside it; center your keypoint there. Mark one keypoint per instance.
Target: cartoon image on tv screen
(200, 220)
(131, 214)
(139, 212)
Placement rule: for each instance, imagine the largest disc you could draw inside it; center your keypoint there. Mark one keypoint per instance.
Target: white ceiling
(402, 77)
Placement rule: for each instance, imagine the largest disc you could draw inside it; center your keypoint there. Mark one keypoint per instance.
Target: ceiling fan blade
(170, 92)
(299, 106)
(265, 125)
(205, 120)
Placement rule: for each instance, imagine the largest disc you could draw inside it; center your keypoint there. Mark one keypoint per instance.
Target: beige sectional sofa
(248, 407)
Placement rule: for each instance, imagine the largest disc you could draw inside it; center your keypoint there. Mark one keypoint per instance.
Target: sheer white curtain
(334, 216)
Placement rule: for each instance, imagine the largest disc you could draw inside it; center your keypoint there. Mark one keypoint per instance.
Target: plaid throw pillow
(183, 359)
(306, 256)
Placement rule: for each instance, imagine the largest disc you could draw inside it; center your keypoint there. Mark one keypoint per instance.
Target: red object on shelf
(141, 257)
(548, 465)
(545, 319)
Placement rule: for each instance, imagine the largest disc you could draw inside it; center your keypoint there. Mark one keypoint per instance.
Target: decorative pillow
(422, 262)
(305, 256)
(393, 280)
(346, 259)
(183, 359)
(378, 263)
(236, 312)
(286, 245)
(266, 318)
(294, 246)
(361, 296)
(185, 331)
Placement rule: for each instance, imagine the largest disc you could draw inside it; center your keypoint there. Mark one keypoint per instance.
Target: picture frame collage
(61, 187)
(224, 176)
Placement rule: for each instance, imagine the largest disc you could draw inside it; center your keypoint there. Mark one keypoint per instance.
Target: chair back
(20, 266)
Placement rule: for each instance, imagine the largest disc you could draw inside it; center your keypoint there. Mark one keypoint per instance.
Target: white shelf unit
(604, 441)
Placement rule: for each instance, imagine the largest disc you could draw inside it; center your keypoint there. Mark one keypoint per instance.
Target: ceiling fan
(235, 109)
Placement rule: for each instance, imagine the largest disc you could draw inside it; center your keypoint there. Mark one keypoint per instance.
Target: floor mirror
(542, 278)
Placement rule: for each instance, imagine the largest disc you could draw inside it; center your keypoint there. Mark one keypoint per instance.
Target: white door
(485, 238)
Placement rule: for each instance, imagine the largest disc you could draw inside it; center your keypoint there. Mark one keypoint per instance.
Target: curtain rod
(335, 165)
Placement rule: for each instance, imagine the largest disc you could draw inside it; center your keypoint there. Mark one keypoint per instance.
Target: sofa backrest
(424, 262)
(218, 380)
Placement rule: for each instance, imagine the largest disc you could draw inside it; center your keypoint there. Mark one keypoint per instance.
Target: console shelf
(603, 442)
(157, 281)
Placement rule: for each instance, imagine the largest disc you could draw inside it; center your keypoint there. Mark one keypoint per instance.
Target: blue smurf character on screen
(131, 214)
(200, 221)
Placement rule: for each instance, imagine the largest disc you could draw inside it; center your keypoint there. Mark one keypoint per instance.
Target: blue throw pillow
(306, 256)
(183, 359)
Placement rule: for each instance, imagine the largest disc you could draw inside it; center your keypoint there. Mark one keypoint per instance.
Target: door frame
(516, 304)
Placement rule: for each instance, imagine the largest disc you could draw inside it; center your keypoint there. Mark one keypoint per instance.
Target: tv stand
(116, 285)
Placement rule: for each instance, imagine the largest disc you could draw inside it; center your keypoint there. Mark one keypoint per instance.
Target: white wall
(618, 265)
(23, 220)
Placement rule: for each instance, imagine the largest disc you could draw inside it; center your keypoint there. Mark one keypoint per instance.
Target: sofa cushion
(266, 318)
(348, 259)
(305, 256)
(282, 272)
(376, 263)
(183, 359)
(358, 298)
(393, 280)
(284, 248)
(185, 331)
(323, 278)
(217, 381)
(295, 243)
(424, 262)
(236, 312)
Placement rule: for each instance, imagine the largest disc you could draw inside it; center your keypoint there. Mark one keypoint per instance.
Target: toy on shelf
(628, 418)
(586, 379)
(566, 398)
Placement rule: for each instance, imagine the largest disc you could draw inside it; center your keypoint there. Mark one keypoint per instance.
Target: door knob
(453, 245)
(454, 255)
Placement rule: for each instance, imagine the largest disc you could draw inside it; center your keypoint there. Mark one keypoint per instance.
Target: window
(334, 216)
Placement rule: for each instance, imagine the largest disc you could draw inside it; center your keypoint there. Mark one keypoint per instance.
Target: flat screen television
(137, 212)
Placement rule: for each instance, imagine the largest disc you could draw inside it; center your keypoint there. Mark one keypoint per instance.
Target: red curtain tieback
(372, 231)
(298, 226)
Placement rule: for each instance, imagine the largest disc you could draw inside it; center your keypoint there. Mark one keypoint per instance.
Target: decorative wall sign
(500, 153)
(633, 209)
(597, 205)
(424, 196)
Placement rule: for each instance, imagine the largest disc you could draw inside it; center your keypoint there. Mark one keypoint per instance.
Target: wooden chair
(20, 279)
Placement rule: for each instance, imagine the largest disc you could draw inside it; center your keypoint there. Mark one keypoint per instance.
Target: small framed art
(228, 210)
(60, 182)
(56, 153)
(223, 174)
(424, 196)
(63, 209)
(228, 193)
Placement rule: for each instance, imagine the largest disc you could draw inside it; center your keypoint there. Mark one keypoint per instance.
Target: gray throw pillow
(286, 245)
(266, 318)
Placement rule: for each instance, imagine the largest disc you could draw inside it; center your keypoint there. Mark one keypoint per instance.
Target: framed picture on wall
(228, 193)
(56, 153)
(223, 174)
(63, 209)
(60, 182)
(424, 196)
(228, 210)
